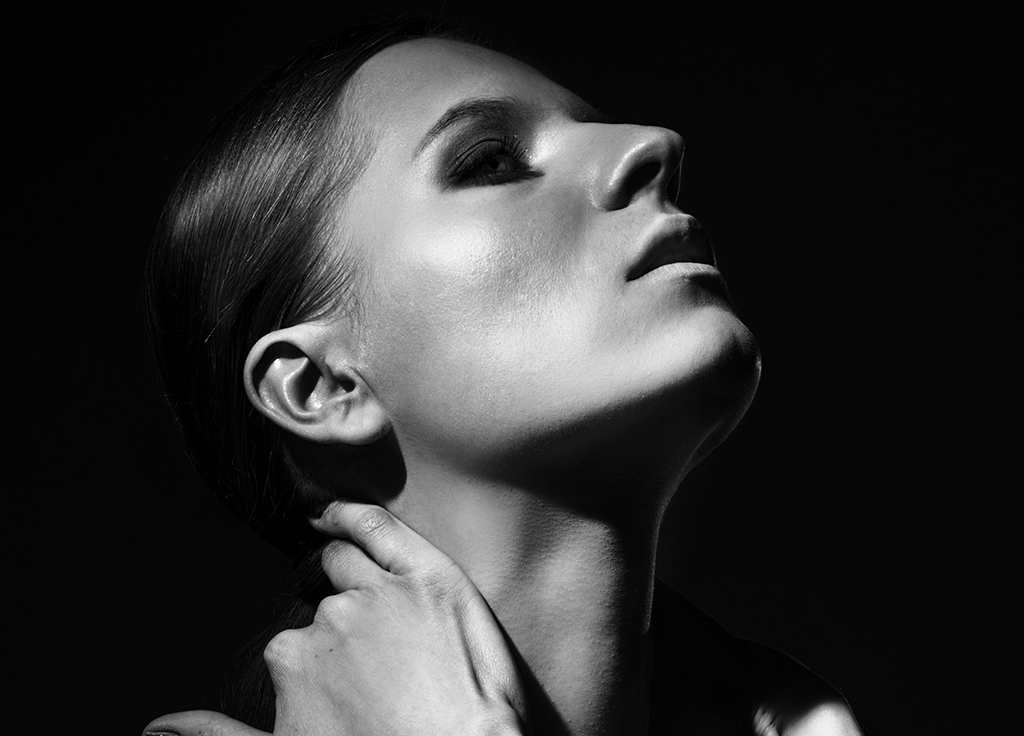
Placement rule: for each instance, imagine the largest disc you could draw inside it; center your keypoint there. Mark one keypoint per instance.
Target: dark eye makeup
(497, 159)
(488, 148)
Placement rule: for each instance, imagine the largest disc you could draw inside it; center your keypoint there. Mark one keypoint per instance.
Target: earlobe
(289, 381)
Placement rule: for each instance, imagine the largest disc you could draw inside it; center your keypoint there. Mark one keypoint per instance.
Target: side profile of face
(527, 282)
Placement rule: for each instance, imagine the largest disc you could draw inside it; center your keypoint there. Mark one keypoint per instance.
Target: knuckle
(283, 652)
(331, 612)
(334, 553)
(372, 522)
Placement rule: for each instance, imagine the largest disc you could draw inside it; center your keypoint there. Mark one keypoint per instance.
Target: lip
(677, 246)
(689, 269)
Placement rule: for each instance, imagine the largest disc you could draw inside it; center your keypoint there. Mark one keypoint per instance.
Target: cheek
(468, 279)
(466, 301)
(489, 322)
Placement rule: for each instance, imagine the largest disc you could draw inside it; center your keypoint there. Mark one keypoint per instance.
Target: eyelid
(511, 144)
(457, 154)
(510, 111)
(473, 167)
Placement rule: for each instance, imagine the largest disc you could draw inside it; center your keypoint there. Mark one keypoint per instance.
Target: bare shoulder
(825, 719)
(792, 700)
(718, 682)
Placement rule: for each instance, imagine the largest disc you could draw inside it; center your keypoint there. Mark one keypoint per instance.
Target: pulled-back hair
(243, 248)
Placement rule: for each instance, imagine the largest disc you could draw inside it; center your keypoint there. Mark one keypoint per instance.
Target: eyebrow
(501, 110)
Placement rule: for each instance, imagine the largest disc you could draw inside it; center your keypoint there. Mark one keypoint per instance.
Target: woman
(453, 291)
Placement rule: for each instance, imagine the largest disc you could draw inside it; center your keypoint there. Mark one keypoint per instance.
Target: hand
(408, 646)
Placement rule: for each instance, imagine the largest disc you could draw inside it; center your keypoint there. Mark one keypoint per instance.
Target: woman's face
(509, 241)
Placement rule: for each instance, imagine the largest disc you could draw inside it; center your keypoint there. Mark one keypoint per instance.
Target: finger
(347, 566)
(199, 723)
(391, 544)
(489, 649)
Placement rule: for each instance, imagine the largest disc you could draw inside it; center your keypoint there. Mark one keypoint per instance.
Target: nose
(640, 160)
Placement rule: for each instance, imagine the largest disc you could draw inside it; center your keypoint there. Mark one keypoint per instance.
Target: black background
(857, 519)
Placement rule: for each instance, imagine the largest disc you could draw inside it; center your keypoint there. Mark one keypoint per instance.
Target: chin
(702, 381)
(726, 387)
(693, 390)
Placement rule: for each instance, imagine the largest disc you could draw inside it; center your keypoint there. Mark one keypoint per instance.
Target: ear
(290, 379)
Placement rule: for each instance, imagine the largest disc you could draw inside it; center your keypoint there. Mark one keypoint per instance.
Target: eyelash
(468, 168)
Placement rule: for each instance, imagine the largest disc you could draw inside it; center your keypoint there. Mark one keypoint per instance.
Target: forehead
(401, 91)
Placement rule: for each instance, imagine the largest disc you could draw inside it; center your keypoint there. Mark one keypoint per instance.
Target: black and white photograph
(529, 368)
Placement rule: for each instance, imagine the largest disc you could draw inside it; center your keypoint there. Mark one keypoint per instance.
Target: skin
(528, 408)
(546, 407)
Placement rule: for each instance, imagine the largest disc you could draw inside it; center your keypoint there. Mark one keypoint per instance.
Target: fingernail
(325, 515)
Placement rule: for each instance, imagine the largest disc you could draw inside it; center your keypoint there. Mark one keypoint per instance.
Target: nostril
(642, 176)
(641, 162)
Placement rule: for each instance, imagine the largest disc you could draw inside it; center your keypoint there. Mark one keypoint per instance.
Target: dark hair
(243, 247)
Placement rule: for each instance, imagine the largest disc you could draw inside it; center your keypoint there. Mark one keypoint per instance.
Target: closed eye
(499, 160)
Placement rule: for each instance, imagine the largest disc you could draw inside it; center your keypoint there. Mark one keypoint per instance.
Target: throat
(571, 588)
(577, 612)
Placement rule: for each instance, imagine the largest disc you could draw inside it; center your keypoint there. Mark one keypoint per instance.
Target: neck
(572, 591)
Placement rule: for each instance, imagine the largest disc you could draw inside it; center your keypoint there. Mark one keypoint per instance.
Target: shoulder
(707, 679)
(793, 701)
(826, 719)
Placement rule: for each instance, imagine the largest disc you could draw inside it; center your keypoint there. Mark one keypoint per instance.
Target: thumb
(199, 723)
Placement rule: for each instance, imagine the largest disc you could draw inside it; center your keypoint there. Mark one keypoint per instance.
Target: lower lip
(682, 270)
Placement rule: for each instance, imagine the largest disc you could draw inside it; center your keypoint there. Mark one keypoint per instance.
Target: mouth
(679, 240)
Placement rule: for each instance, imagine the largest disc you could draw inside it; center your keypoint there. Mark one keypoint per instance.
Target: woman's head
(463, 257)
(243, 248)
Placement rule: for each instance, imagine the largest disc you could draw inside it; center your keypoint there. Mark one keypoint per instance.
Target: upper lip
(678, 239)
